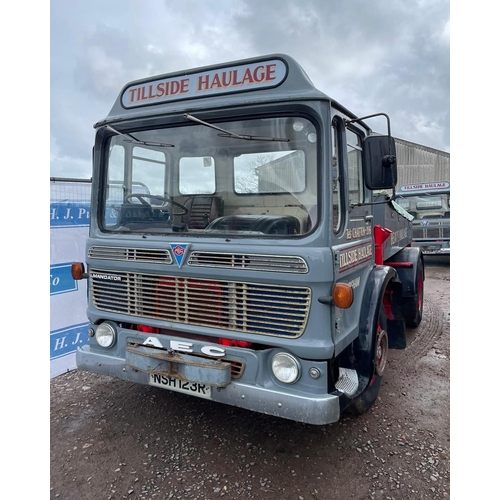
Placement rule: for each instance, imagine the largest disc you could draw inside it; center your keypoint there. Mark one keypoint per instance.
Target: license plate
(174, 384)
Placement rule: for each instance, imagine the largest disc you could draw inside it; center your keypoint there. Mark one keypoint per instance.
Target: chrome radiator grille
(242, 307)
(130, 254)
(434, 230)
(254, 262)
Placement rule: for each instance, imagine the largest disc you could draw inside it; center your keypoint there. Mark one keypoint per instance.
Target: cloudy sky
(390, 56)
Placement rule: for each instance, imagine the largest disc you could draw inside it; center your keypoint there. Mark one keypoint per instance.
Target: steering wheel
(165, 199)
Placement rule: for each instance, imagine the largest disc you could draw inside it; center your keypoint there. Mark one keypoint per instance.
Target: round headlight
(286, 368)
(105, 335)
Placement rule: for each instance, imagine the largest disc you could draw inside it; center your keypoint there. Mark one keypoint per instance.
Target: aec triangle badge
(179, 252)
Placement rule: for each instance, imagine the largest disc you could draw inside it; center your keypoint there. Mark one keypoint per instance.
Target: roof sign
(237, 78)
(425, 186)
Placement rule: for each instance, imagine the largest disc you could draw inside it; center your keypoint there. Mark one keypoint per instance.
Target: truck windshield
(426, 206)
(195, 178)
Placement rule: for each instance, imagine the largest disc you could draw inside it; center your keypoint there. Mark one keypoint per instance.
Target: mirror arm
(347, 122)
(388, 159)
(354, 120)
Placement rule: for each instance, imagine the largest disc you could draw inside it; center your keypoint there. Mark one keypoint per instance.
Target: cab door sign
(354, 256)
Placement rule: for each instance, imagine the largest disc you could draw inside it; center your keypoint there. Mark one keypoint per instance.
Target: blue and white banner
(69, 214)
(69, 226)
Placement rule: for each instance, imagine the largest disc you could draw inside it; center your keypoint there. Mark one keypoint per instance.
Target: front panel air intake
(229, 305)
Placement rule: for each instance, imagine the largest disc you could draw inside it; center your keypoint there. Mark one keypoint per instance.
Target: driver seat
(201, 210)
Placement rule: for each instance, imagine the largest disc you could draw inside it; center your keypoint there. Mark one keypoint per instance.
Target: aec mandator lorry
(429, 204)
(244, 243)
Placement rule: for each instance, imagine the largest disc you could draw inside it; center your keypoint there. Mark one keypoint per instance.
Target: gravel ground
(110, 439)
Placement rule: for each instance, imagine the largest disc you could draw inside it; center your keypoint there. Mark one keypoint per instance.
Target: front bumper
(434, 251)
(432, 248)
(316, 409)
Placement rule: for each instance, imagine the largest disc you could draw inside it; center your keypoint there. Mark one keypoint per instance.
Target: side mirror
(379, 162)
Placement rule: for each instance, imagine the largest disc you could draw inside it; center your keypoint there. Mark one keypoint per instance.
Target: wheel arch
(362, 352)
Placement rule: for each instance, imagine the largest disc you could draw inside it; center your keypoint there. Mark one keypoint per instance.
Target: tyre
(367, 398)
(413, 306)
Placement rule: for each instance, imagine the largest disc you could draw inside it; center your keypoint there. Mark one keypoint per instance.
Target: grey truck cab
(429, 204)
(237, 251)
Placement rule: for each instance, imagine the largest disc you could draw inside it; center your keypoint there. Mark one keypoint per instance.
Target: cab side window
(335, 181)
(354, 151)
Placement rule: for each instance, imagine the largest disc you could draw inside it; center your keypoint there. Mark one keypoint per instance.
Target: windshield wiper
(131, 138)
(231, 135)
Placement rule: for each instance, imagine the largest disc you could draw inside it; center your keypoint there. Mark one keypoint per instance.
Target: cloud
(68, 165)
(390, 57)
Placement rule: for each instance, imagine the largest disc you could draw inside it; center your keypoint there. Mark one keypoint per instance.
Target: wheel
(165, 199)
(367, 398)
(413, 306)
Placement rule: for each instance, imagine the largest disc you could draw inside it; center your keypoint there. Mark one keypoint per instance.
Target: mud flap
(396, 331)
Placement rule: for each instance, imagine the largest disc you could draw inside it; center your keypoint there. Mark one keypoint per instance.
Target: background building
(417, 163)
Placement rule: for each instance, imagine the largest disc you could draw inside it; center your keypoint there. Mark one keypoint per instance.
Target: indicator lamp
(343, 295)
(78, 271)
